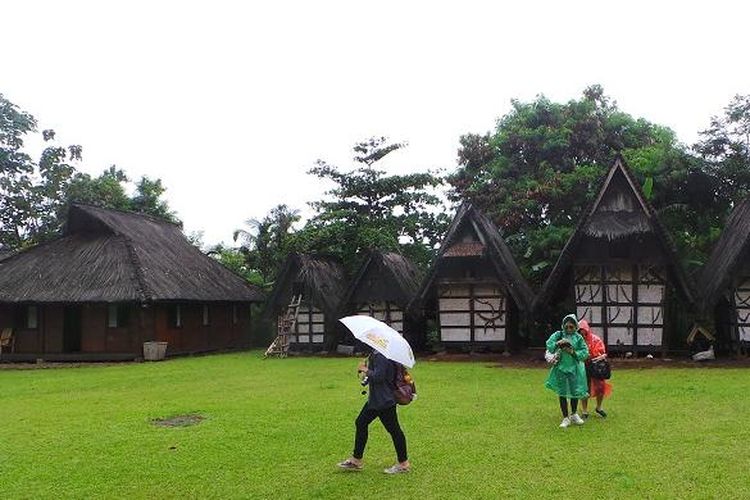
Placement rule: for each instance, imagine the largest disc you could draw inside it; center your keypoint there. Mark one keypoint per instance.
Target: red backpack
(405, 390)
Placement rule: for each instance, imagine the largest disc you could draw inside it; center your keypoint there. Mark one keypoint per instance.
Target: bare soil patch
(178, 420)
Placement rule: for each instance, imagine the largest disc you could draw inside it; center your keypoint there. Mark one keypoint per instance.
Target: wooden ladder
(284, 327)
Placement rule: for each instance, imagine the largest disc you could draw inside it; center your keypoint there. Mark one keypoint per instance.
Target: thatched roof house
(474, 287)
(724, 282)
(321, 281)
(618, 267)
(383, 287)
(115, 279)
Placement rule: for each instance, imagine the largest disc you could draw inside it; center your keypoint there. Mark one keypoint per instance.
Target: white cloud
(229, 103)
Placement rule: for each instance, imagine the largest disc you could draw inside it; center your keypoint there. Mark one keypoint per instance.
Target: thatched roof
(384, 276)
(322, 277)
(619, 211)
(727, 257)
(113, 256)
(490, 245)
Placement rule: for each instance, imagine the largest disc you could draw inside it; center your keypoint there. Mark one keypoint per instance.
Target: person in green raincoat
(567, 377)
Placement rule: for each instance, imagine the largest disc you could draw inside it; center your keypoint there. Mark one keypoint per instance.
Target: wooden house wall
(49, 336)
(144, 324)
(194, 336)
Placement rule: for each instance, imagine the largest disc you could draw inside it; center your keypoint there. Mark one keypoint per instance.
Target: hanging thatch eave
(322, 276)
(618, 220)
(727, 257)
(397, 272)
(112, 256)
(492, 247)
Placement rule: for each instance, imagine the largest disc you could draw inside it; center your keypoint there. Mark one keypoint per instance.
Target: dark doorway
(72, 329)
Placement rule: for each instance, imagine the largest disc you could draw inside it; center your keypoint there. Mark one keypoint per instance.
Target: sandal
(396, 469)
(349, 465)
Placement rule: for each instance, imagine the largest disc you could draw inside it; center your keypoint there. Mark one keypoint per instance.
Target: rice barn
(619, 269)
(474, 289)
(320, 283)
(725, 282)
(383, 287)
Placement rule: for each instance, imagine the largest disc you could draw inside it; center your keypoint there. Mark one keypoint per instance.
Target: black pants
(564, 405)
(389, 418)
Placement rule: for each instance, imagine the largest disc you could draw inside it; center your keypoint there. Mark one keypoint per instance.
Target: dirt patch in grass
(178, 420)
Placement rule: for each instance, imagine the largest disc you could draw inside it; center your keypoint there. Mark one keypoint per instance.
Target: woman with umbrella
(379, 375)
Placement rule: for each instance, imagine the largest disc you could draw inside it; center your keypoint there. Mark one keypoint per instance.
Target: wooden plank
(620, 335)
(454, 304)
(490, 334)
(452, 334)
(650, 336)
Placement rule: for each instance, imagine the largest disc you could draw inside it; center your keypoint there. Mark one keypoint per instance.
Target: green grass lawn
(276, 428)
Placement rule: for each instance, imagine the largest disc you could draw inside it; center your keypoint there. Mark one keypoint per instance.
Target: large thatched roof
(384, 276)
(113, 256)
(490, 245)
(619, 211)
(322, 277)
(727, 257)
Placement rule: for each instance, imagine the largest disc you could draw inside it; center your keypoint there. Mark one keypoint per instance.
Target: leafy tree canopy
(264, 246)
(367, 209)
(541, 167)
(34, 195)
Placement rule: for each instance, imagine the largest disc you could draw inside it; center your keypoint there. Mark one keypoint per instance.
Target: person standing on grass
(567, 377)
(379, 375)
(598, 388)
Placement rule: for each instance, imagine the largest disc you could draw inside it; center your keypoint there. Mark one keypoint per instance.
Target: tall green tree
(725, 148)
(31, 192)
(540, 168)
(263, 245)
(35, 194)
(368, 209)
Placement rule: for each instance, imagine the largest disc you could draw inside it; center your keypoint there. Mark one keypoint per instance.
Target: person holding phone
(567, 377)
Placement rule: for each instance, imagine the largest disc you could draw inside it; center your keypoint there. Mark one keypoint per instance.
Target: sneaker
(565, 422)
(397, 469)
(349, 465)
(576, 419)
(602, 413)
(585, 415)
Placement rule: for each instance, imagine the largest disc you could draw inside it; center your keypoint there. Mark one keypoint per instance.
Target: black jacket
(381, 375)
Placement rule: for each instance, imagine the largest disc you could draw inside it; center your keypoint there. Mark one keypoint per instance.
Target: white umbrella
(380, 337)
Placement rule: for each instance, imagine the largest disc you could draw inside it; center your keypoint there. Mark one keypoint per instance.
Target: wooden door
(72, 326)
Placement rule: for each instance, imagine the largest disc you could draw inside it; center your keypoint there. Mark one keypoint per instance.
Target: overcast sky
(230, 103)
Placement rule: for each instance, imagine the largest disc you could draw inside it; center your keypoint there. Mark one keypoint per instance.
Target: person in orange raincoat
(598, 388)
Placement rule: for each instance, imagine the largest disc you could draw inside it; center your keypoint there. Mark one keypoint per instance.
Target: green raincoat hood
(571, 317)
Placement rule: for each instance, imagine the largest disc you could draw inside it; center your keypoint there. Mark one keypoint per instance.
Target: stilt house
(725, 281)
(321, 281)
(114, 280)
(383, 287)
(474, 288)
(618, 268)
